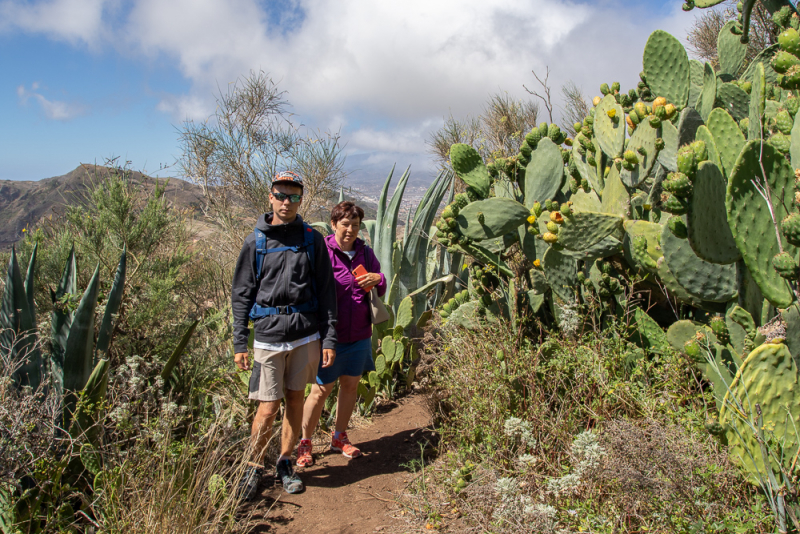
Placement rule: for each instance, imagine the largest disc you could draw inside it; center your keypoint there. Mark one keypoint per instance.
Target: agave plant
(76, 367)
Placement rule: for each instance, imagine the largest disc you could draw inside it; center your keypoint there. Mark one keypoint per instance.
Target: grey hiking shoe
(290, 480)
(248, 486)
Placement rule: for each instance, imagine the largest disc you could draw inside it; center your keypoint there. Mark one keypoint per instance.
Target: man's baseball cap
(288, 177)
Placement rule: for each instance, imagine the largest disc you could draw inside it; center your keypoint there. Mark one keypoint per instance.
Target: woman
(353, 330)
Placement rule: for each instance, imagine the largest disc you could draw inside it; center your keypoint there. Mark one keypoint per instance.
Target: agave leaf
(112, 307)
(61, 319)
(413, 267)
(29, 289)
(375, 230)
(341, 194)
(386, 230)
(166, 372)
(17, 329)
(78, 356)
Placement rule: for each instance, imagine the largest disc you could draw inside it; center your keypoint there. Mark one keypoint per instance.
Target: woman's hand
(369, 279)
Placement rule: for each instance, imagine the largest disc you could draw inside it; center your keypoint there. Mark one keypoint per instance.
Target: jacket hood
(265, 219)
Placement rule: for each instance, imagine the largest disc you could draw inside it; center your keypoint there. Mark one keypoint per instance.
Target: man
(291, 300)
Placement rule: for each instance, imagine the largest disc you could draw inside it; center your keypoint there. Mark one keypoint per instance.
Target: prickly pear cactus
(768, 379)
(666, 66)
(752, 219)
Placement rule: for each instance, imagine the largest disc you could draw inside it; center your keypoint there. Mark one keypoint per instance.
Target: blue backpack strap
(261, 251)
(258, 311)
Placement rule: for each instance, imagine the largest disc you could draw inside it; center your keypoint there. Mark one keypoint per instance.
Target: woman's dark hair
(347, 210)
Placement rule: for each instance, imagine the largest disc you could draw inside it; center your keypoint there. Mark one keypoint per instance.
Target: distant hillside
(23, 204)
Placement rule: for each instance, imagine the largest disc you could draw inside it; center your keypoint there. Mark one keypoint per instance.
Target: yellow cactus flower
(537, 263)
(611, 113)
(532, 219)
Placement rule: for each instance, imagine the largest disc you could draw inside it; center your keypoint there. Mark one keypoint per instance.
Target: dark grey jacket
(285, 281)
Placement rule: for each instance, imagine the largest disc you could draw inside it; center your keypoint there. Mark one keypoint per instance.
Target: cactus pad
(587, 172)
(757, 103)
(682, 331)
(708, 96)
(709, 233)
(562, 274)
(544, 174)
(707, 281)
(500, 216)
(616, 199)
(794, 148)
(666, 67)
(704, 134)
(468, 165)
(668, 157)
(733, 99)
(582, 230)
(791, 316)
(728, 138)
(602, 249)
(695, 83)
(643, 139)
(731, 50)
(769, 378)
(642, 244)
(749, 215)
(610, 132)
(647, 334)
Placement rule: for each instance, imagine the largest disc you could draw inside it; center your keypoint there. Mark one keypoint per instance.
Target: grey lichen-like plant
(521, 431)
(586, 454)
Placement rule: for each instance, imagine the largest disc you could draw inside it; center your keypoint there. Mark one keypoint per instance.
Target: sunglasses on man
(280, 197)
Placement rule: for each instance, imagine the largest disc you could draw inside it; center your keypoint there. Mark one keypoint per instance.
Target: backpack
(258, 311)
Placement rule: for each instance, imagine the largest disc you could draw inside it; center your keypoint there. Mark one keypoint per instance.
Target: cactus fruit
(790, 227)
(780, 142)
(700, 150)
(631, 157)
(678, 184)
(784, 122)
(550, 237)
(675, 205)
(654, 121)
(552, 227)
(687, 161)
(536, 209)
(720, 329)
(786, 266)
(677, 227)
(555, 215)
(789, 40)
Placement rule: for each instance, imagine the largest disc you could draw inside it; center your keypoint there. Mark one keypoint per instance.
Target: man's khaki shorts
(274, 371)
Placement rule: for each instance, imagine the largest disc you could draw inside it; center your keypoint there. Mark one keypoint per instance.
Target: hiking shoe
(344, 446)
(291, 482)
(248, 486)
(304, 458)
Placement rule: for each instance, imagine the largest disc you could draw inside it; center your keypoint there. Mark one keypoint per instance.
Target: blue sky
(90, 79)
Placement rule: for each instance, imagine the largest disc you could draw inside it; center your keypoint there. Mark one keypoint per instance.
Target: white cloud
(385, 71)
(68, 20)
(53, 109)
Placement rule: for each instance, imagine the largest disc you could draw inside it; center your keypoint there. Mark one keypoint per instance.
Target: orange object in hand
(361, 271)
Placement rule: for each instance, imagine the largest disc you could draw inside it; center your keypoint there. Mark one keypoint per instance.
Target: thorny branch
(546, 98)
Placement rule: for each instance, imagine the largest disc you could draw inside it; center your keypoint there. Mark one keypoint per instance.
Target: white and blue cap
(288, 177)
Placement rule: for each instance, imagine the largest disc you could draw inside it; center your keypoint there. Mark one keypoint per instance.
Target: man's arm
(243, 295)
(326, 293)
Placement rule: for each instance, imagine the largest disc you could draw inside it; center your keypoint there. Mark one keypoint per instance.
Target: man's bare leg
(262, 429)
(292, 421)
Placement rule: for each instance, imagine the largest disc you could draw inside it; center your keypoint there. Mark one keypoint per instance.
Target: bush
(589, 434)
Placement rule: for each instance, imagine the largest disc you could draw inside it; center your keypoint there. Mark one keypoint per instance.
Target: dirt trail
(353, 496)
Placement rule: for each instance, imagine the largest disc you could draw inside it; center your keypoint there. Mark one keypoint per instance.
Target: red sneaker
(304, 458)
(344, 446)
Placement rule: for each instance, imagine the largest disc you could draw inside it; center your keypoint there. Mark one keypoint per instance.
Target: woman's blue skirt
(352, 359)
